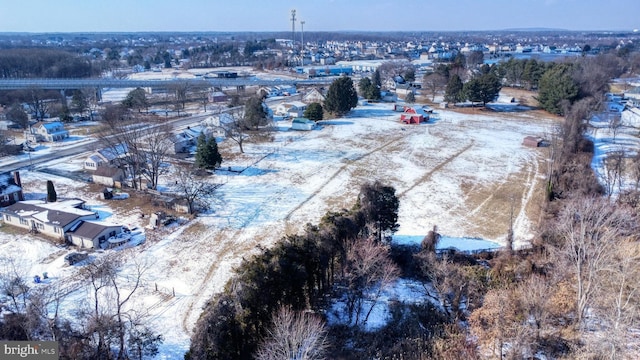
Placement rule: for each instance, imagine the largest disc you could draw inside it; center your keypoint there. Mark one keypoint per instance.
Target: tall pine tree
(52, 196)
(207, 154)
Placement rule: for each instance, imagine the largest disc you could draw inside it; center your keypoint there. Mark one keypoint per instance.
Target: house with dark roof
(93, 234)
(51, 219)
(10, 189)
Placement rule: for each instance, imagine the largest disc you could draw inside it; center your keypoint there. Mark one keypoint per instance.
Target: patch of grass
(12, 230)
(194, 229)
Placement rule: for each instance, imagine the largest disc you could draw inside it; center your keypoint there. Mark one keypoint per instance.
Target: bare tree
(201, 93)
(450, 282)
(193, 188)
(124, 139)
(155, 144)
(617, 301)
(180, 91)
(38, 102)
(368, 272)
(589, 230)
(294, 336)
(13, 283)
(234, 126)
(635, 170)
(613, 166)
(615, 123)
(435, 83)
(499, 323)
(110, 320)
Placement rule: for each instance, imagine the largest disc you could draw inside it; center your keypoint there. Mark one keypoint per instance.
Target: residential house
(302, 124)
(313, 96)
(105, 157)
(93, 234)
(292, 109)
(51, 219)
(187, 138)
(633, 96)
(630, 117)
(49, 131)
(404, 89)
(388, 96)
(108, 176)
(10, 189)
(217, 97)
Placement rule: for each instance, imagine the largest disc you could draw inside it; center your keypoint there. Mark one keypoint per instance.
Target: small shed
(532, 141)
(302, 124)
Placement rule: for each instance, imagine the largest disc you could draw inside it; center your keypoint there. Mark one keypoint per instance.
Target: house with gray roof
(105, 157)
(93, 234)
(51, 219)
(10, 189)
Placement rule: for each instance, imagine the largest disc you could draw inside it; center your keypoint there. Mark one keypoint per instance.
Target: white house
(105, 157)
(293, 109)
(108, 176)
(313, 96)
(302, 124)
(49, 131)
(51, 219)
(630, 117)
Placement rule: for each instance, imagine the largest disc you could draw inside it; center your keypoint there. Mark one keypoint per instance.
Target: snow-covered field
(463, 172)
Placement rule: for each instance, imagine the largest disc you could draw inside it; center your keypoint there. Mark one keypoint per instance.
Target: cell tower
(302, 43)
(293, 27)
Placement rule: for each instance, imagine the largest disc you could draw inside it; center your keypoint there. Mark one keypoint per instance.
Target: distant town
(414, 195)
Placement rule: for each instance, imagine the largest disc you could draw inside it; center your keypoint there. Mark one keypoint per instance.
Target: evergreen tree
(410, 98)
(314, 112)
(255, 115)
(207, 154)
(556, 86)
(409, 75)
(368, 89)
(376, 79)
(51, 192)
(79, 102)
(341, 97)
(484, 88)
(136, 99)
(454, 92)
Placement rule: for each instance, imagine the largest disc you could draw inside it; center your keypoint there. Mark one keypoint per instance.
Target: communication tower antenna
(293, 26)
(302, 42)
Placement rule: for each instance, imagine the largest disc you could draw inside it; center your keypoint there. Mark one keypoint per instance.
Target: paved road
(84, 146)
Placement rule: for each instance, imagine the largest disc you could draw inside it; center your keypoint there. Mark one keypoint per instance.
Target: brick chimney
(16, 179)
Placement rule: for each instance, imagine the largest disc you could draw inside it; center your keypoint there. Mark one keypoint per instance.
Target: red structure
(413, 115)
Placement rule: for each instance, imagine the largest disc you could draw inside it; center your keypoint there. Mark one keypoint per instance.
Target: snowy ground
(463, 172)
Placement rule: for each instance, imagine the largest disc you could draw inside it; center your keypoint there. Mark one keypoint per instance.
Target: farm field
(466, 172)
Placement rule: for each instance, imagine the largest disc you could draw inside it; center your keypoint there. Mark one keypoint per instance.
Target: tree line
(298, 274)
(44, 63)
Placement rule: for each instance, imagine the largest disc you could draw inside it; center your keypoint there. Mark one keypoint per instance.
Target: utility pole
(302, 43)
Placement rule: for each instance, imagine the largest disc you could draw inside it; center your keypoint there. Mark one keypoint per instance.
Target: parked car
(75, 258)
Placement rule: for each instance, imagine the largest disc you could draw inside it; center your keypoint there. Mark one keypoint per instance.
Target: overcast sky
(319, 15)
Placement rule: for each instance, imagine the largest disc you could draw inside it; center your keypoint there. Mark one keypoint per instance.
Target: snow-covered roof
(8, 185)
